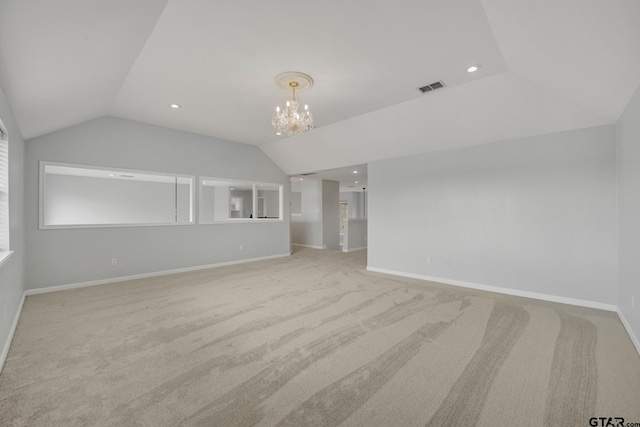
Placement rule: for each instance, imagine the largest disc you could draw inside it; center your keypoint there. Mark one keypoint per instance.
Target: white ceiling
(63, 62)
(547, 66)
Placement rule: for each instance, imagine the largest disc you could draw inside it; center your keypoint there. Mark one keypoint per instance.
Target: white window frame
(5, 244)
(42, 185)
(255, 186)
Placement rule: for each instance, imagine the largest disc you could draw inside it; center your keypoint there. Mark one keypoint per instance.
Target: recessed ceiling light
(278, 133)
(301, 179)
(204, 182)
(473, 68)
(355, 171)
(111, 174)
(356, 182)
(175, 106)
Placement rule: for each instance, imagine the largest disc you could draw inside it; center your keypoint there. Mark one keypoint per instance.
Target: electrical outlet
(429, 260)
(241, 247)
(447, 261)
(114, 261)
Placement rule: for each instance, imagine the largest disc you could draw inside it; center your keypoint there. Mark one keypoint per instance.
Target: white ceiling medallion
(288, 121)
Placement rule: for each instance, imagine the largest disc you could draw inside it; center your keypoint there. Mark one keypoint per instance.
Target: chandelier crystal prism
(289, 121)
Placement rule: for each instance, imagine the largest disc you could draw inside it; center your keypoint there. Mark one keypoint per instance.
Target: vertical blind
(4, 190)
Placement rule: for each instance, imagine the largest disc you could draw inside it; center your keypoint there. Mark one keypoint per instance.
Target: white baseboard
(146, 275)
(12, 331)
(307, 246)
(627, 327)
(526, 294)
(361, 248)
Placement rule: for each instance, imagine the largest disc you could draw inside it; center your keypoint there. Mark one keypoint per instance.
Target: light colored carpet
(312, 339)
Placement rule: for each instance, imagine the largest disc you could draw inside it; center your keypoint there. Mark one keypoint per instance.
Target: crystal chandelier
(288, 121)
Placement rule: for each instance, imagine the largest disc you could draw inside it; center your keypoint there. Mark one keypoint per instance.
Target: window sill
(4, 257)
(243, 221)
(71, 226)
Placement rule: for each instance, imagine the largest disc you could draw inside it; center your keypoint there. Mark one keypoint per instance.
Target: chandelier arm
(288, 120)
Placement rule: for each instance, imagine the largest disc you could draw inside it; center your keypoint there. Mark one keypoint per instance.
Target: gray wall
(319, 223)
(296, 202)
(71, 199)
(331, 214)
(306, 228)
(58, 257)
(207, 204)
(12, 282)
(271, 202)
(355, 234)
(535, 214)
(355, 203)
(628, 142)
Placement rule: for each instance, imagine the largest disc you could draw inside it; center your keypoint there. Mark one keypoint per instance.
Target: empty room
(409, 213)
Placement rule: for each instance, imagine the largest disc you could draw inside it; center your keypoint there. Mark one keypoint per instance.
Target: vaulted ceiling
(546, 66)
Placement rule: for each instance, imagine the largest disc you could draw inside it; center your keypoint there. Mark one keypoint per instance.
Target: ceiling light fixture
(473, 69)
(355, 171)
(288, 121)
(175, 106)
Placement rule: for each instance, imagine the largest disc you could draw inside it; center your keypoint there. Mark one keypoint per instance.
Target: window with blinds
(4, 189)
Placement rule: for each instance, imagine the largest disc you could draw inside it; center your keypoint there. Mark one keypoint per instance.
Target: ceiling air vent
(432, 86)
(308, 174)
